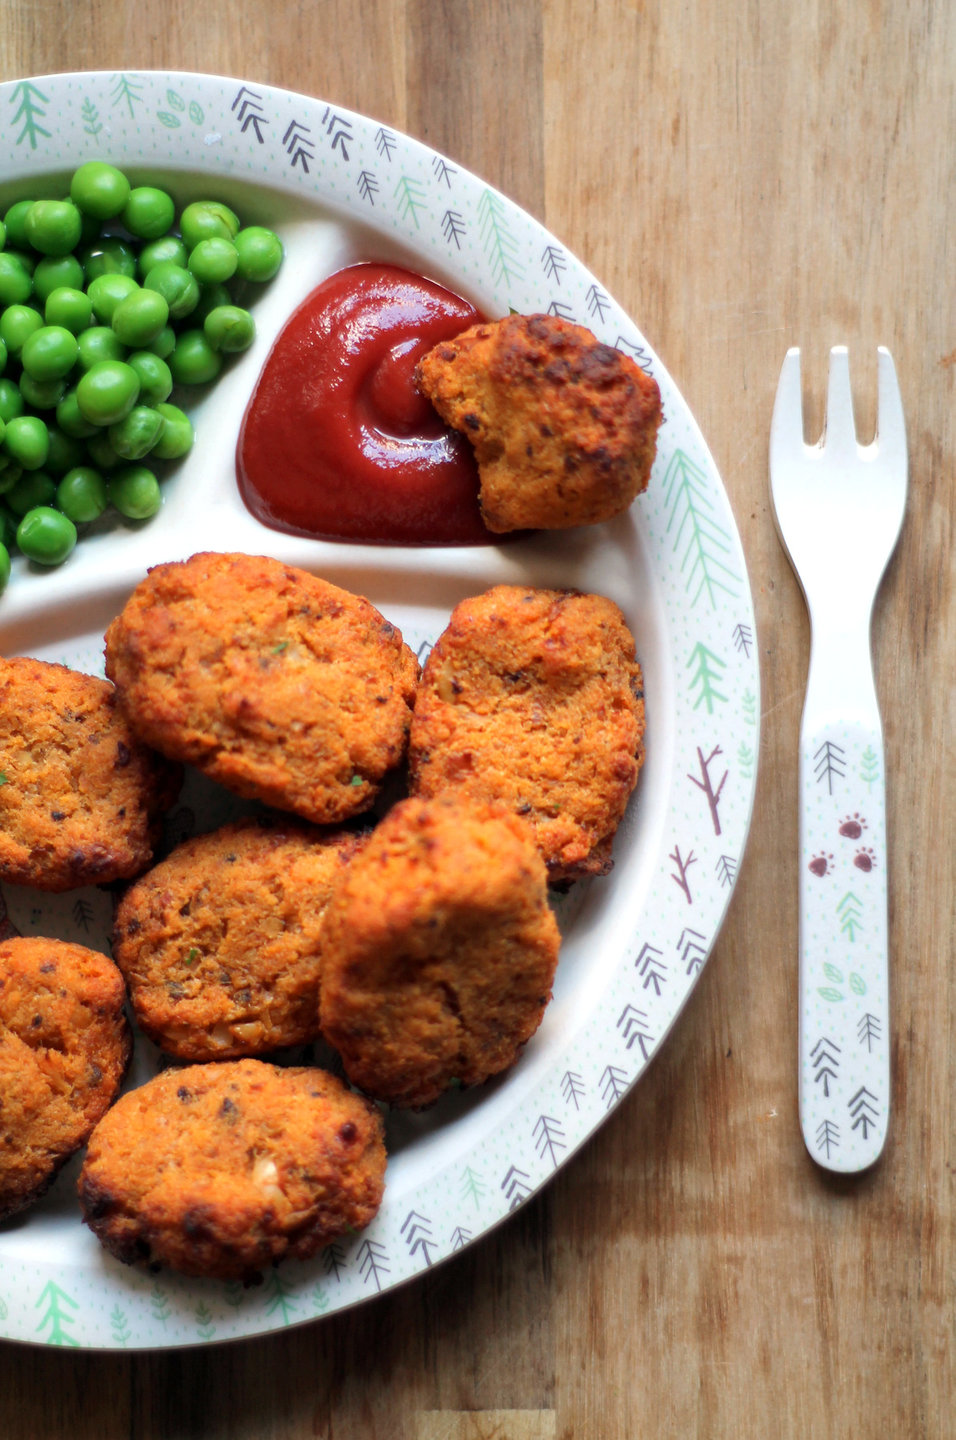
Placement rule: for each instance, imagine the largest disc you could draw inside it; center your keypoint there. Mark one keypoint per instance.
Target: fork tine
(786, 426)
(890, 424)
(839, 435)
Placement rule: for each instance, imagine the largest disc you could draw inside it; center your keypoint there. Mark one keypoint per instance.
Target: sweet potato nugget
(220, 942)
(81, 798)
(221, 1170)
(64, 1048)
(534, 698)
(282, 687)
(564, 428)
(439, 950)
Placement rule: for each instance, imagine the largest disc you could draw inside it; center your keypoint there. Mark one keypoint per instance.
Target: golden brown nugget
(81, 798)
(534, 698)
(221, 1170)
(564, 428)
(282, 687)
(220, 942)
(64, 1048)
(439, 951)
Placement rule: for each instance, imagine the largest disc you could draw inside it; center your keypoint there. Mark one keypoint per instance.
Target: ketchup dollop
(337, 442)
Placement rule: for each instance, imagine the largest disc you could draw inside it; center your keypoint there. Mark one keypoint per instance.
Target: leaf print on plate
(31, 101)
(702, 543)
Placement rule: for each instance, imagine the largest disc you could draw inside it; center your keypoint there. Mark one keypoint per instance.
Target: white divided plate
(341, 188)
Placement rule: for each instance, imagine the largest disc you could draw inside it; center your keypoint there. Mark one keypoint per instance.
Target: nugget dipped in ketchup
(564, 428)
(390, 412)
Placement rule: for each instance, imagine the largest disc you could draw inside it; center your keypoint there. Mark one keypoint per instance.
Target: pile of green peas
(106, 304)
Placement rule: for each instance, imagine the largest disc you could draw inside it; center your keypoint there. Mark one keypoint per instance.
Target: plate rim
(14, 1327)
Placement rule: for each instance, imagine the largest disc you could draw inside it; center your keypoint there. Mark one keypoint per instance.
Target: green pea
(167, 249)
(207, 220)
(210, 296)
(42, 394)
(71, 419)
(107, 392)
(16, 283)
(140, 318)
(213, 261)
(108, 256)
(136, 434)
(72, 308)
(54, 271)
(229, 328)
(82, 494)
(3, 234)
(53, 226)
(3, 356)
(99, 190)
(260, 253)
(107, 291)
(177, 285)
(164, 343)
(49, 353)
(26, 441)
(101, 452)
(135, 492)
(46, 536)
(4, 566)
(14, 223)
(17, 324)
(65, 452)
(34, 488)
(155, 377)
(177, 435)
(194, 361)
(99, 342)
(27, 258)
(11, 401)
(149, 212)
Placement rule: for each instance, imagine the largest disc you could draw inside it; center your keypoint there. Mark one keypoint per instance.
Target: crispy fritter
(81, 797)
(219, 943)
(282, 687)
(564, 427)
(64, 1048)
(222, 1170)
(534, 698)
(439, 950)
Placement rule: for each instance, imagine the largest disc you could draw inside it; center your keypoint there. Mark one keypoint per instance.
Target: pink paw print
(864, 859)
(821, 864)
(853, 826)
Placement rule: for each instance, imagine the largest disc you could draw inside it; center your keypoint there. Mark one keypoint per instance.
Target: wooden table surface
(743, 177)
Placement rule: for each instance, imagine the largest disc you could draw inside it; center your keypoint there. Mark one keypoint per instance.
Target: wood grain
(742, 177)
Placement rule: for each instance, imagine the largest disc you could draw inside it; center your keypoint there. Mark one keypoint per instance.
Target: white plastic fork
(839, 509)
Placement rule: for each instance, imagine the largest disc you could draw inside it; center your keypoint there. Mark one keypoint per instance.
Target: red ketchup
(337, 442)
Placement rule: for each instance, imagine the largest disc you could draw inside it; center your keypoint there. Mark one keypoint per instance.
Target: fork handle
(844, 970)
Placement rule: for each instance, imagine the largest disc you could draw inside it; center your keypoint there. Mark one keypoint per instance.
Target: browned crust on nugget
(282, 687)
(534, 698)
(564, 427)
(221, 1170)
(439, 950)
(64, 1048)
(81, 797)
(220, 942)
